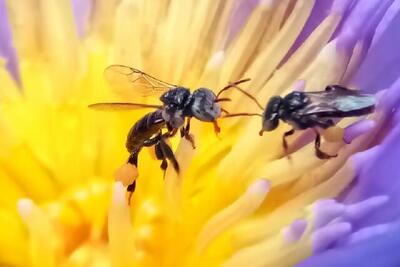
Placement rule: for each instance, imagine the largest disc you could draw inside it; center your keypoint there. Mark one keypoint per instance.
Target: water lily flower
(239, 200)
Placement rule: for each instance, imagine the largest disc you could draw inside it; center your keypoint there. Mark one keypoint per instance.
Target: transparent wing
(127, 81)
(116, 106)
(337, 100)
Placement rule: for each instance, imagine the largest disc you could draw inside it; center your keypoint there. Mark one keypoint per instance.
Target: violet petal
(81, 10)
(380, 251)
(381, 66)
(7, 48)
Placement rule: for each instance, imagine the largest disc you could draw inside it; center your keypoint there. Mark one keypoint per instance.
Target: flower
(239, 200)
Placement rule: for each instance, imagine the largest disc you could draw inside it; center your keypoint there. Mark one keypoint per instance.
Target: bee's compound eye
(203, 106)
(271, 113)
(270, 122)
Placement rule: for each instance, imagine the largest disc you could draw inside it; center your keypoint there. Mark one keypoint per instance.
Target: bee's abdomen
(149, 125)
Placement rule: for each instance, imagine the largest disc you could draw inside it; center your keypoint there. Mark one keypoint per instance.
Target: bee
(303, 110)
(178, 104)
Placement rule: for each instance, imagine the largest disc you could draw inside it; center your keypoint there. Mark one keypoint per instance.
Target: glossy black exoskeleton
(178, 104)
(303, 110)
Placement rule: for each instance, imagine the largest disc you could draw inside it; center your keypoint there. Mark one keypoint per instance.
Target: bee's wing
(127, 81)
(116, 106)
(338, 101)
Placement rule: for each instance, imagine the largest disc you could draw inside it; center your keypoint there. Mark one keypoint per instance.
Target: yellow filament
(120, 231)
(270, 57)
(42, 238)
(275, 21)
(127, 32)
(243, 48)
(24, 16)
(305, 54)
(55, 15)
(238, 210)
(355, 61)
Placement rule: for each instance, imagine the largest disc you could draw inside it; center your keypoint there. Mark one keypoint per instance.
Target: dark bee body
(151, 124)
(178, 104)
(304, 110)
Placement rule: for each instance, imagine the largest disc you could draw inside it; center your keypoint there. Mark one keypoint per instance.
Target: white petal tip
(295, 231)
(25, 206)
(118, 193)
(261, 186)
(299, 85)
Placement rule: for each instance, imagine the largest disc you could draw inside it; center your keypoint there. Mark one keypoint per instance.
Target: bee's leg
(187, 128)
(185, 132)
(152, 141)
(284, 142)
(131, 189)
(169, 154)
(170, 133)
(133, 159)
(160, 155)
(217, 130)
(320, 154)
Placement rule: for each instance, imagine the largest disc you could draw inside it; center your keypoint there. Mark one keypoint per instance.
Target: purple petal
(360, 210)
(295, 231)
(81, 10)
(367, 233)
(379, 175)
(7, 48)
(325, 211)
(240, 15)
(357, 129)
(386, 20)
(319, 12)
(381, 66)
(381, 251)
(361, 22)
(328, 235)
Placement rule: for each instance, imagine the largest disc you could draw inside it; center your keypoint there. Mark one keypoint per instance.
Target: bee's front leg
(284, 142)
(185, 132)
(217, 129)
(160, 155)
(168, 153)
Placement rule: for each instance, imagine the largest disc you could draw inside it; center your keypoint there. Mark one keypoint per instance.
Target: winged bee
(303, 110)
(177, 105)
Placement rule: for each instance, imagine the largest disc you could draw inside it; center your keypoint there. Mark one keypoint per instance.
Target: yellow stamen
(121, 237)
(238, 210)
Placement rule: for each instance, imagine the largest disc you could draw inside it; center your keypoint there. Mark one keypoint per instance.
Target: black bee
(304, 110)
(178, 104)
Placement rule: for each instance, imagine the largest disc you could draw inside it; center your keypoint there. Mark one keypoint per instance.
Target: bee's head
(204, 106)
(270, 118)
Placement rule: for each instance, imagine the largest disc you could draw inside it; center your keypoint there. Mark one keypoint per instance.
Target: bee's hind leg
(320, 154)
(133, 159)
(131, 189)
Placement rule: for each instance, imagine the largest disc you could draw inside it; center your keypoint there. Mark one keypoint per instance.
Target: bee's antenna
(230, 115)
(235, 85)
(225, 99)
(231, 85)
(225, 111)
